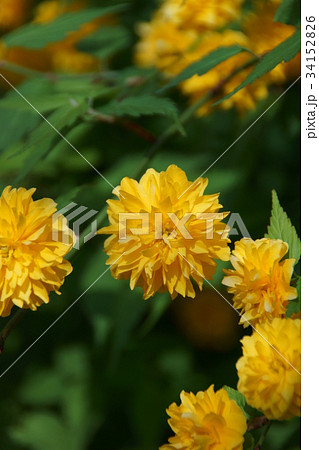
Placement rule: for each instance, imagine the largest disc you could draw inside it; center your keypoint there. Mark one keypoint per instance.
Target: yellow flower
(199, 14)
(207, 420)
(48, 11)
(268, 380)
(163, 256)
(65, 57)
(264, 34)
(32, 247)
(36, 59)
(207, 321)
(199, 86)
(260, 282)
(162, 45)
(13, 13)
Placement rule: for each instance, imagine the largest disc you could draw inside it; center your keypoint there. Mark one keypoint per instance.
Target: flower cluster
(167, 260)
(33, 244)
(182, 32)
(207, 420)
(269, 370)
(260, 281)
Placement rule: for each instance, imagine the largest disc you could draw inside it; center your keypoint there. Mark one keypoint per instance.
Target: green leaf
(143, 105)
(105, 42)
(283, 52)
(294, 306)
(137, 106)
(281, 228)
(41, 102)
(44, 138)
(40, 430)
(34, 35)
(205, 64)
(288, 12)
(233, 394)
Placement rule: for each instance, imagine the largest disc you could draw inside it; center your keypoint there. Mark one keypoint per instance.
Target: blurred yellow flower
(32, 262)
(163, 46)
(154, 254)
(13, 13)
(65, 57)
(207, 420)
(207, 321)
(266, 379)
(171, 43)
(48, 11)
(199, 14)
(35, 59)
(260, 281)
(264, 34)
(199, 86)
(62, 56)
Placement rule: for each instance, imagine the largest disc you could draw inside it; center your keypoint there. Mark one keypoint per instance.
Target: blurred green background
(104, 374)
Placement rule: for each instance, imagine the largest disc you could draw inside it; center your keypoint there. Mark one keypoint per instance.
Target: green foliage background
(104, 374)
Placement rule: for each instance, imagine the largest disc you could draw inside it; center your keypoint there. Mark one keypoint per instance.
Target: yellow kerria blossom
(199, 86)
(271, 382)
(163, 45)
(199, 14)
(13, 13)
(32, 248)
(264, 34)
(35, 59)
(260, 281)
(62, 56)
(207, 420)
(162, 255)
(65, 57)
(171, 50)
(48, 11)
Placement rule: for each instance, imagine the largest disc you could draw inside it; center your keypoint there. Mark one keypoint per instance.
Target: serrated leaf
(294, 306)
(34, 35)
(205, 64)
(284, 52)
(288, 12)
(281, 228)
(143, 105)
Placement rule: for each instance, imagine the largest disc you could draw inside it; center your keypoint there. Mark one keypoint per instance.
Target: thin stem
(128, 124)
(262, 436)
(13, 321)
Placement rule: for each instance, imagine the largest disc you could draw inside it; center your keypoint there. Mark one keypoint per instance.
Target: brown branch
(128, 124)
(257, 422)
